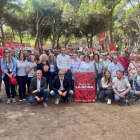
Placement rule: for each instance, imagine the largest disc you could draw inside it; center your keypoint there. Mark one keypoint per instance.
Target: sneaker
(1, 101)
(109, 101)
(24, 99)
(8, 101)
(16, 94)
(137, 100)
(127, 104)
(45, 105)
(20, 99)
(57, 101)
(14, 101)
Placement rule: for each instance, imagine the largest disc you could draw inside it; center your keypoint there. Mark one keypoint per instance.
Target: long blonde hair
(110, 78)
(51, 54)
(9, 58)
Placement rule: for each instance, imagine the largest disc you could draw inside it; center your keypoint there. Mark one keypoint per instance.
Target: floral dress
(132, 68)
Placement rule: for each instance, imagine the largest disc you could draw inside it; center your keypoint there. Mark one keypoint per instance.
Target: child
(125, 73)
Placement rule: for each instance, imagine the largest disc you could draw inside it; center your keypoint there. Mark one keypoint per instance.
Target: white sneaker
(8, 101)
(57, 101)
(109, 101)
(14, 101)
(106, 98)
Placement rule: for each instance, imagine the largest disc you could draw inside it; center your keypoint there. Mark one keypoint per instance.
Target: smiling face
(6, 53)
(39, 74)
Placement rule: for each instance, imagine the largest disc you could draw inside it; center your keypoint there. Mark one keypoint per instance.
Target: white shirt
(61, 85)
(120, 85)
(113, 68)
(138, 80)
(63, 62)
(52, 68)
(38, 84)
(86, 67)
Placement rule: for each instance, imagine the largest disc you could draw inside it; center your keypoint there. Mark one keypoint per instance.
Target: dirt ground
(98, 121)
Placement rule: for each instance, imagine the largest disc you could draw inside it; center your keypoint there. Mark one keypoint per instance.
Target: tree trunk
(20, 35)
(54, 37)
(103, 48)
(91, 39)
(120, 42)
(87, 41)
(1, 26)
(110, 28)
(13, 34)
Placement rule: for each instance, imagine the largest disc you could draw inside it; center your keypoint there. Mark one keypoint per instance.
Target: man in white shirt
(38, 89)
(64, 63)
(114, 66)
(61, 87)
(121, 88)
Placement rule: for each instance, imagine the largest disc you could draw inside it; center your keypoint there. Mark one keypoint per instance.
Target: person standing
(31, 70)
(8, 67)
(98, 67)
(106, 62)
(114, 66)
(53, 69)
(22, 76)
(36, 53)
(44, 66)
(74, 67)
(64, 63)
(132, 68)
(123, 61)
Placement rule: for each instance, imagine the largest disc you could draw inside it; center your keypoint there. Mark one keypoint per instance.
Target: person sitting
(122, 88)
(106, 87)
(61, 87)
(38, 89)
(136, 84)
(114, 66)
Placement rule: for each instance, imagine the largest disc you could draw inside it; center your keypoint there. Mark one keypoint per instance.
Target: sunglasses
(104, 55)
(71, 55)
(6, 52)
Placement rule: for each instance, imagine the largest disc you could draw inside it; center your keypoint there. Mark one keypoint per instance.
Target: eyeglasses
(6, 52)
(104, 55)
(61, 74)
(71, 55)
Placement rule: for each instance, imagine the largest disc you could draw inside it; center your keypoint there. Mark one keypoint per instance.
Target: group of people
(116, 75)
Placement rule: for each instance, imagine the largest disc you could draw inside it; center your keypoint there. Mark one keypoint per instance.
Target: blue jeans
(137, 89)
(129, 95)
(43, 94)
(55, 94)
(98, 81)
(51, 77)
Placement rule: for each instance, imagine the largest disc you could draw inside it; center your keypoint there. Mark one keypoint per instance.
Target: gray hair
(62, 71)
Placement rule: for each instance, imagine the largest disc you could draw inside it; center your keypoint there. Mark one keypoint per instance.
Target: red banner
(8, 44)
(102, 38)
(112, 47)
(84, 87)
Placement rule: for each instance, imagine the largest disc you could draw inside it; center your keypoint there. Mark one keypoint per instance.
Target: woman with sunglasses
(8, 67)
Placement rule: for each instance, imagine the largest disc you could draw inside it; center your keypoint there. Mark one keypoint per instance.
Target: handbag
(99, 75)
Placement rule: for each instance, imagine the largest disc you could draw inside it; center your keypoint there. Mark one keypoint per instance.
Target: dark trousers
(28, 83)
(7, 87)
(105, 92)
(69, 75)
(51, 77)
(22, 80)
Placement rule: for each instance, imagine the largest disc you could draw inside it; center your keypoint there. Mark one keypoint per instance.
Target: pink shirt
(124, 62)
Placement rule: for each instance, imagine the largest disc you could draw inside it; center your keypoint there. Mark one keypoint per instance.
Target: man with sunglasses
(106, 62)
(61, 87)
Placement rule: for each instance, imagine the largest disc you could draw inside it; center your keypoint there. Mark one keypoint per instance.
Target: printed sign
(102, 39)
(16, 45)
(84, 87)
(112, 47)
